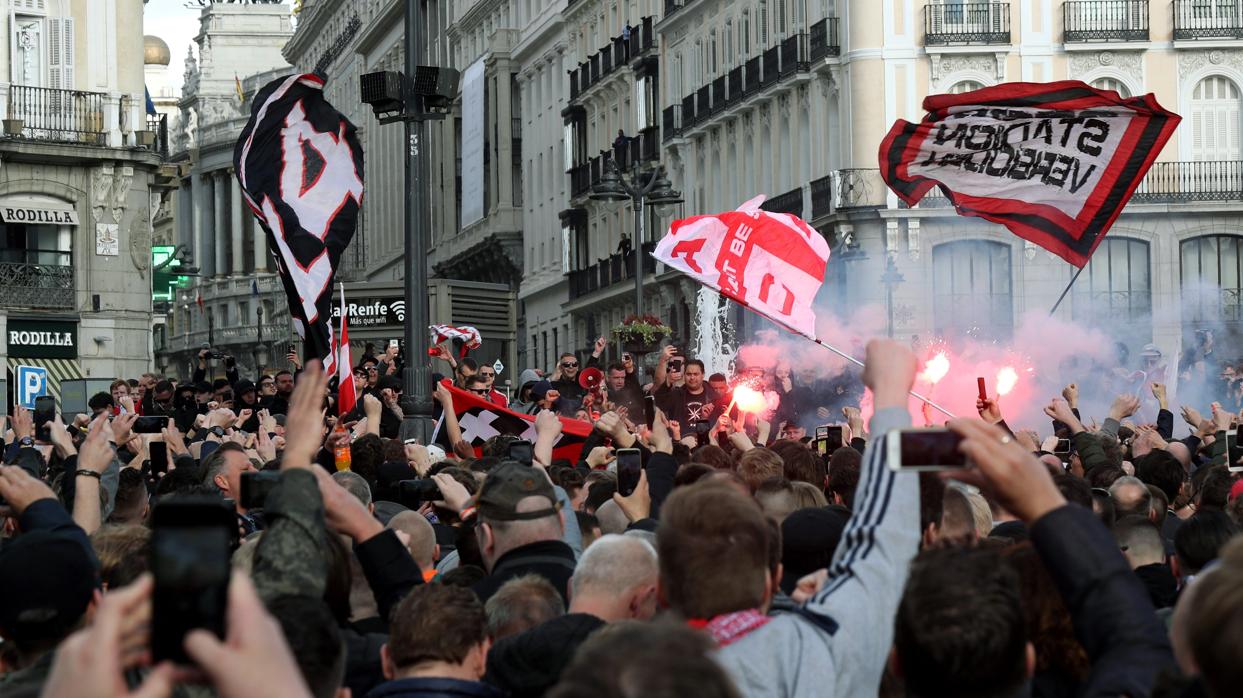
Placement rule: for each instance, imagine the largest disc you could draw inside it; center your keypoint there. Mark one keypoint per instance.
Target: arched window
(1212, 279)
(971, 285)
(1116, 289)
(965, 86)
(1215, 120)
(1112, 84)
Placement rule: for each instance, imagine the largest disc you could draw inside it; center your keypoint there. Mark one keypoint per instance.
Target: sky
(177, 26)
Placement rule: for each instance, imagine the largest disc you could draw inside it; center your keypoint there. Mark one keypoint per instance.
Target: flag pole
(1066, 290)
(860, 364)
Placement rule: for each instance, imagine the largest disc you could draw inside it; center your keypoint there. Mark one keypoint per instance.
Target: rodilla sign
(373, 313)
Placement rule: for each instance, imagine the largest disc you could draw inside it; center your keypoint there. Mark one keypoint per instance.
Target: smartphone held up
(917, 450)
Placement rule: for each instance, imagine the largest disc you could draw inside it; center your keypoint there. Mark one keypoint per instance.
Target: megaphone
(591, 378)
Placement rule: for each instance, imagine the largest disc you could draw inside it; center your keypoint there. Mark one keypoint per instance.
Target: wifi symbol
(399, 309)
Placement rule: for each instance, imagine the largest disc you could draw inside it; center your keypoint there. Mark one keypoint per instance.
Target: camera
(411, 494)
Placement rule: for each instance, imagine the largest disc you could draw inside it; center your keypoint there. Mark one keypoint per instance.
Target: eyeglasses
(372, 369)
(266, 384)
(627, 357)
(479, 391)
(487, 375)
(570, 364)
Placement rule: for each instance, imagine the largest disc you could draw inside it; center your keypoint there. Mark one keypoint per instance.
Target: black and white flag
(301, 169)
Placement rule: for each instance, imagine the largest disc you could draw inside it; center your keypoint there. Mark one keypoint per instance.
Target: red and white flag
(1053, 162)
(770, 262)
(346, 393)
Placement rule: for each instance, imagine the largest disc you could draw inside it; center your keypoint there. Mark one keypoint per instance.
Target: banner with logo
(1053, 162)
(300, 165)
(481, 420)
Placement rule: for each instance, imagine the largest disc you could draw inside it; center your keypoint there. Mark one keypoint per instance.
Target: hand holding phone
(522, 451)
(256, 486)
(629, 468)
(190, 550)
(150, 425)
(45, 412)
(914, 450)
(649, 410)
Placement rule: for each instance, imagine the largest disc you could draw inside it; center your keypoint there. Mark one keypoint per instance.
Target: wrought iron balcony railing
(63, 116)
(688, 111)
(36, 285)
(821, 196)
(158, 124)
(794, 55)
(671, 122)
(967, 23)
(1105, 20)
(1208, 19)
(790, 202)
(614, 269)
(823, 39)
(1187, 182)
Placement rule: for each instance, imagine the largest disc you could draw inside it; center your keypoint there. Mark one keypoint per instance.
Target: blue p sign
(31, 384)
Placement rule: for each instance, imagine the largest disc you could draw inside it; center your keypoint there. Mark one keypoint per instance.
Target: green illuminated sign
(165, 281)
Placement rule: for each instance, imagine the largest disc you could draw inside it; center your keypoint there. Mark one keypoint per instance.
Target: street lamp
(656, 192)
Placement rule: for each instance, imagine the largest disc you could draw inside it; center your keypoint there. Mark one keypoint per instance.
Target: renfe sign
(42, 339)
(375, 313)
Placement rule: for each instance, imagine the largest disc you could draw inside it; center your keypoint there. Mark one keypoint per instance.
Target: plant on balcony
(641, 334)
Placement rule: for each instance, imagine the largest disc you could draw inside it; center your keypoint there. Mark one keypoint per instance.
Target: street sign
(31, 384)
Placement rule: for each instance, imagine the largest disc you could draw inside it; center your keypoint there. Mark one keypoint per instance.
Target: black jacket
(434, 688)
(551, 559)
(1113, 618)
(530, 663)
(1160, 582)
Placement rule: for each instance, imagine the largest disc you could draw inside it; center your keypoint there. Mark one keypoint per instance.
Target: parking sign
(31, 384)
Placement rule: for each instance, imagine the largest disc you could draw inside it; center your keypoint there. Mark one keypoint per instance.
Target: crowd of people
(749, 559)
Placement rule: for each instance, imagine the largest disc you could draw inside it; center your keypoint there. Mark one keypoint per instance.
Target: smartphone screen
(45, 412)
(521, 451)
(924, 449)
(159, 457)
(256, 486)
(649, 410)
(828, 438)
(1233, 451)
(150, 425)
(1063, 446)
(629, 467)
(190, 560)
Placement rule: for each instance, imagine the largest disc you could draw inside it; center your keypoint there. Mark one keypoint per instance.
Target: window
(1215, 120)
(972, 288)
(1116, 289)
(763, 38)
(1112, 84)
(744, 34)
(49, 245)
(963, 86)
(1212, 279)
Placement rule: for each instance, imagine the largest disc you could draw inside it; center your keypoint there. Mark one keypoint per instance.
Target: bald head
(616, 579)
(611, 518)
(1130, 496)
(422, 536)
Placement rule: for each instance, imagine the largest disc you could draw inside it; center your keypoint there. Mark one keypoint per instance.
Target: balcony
(612, 270)
(1104, 20)
(703, 101)
(1187, 182)
(642, 147)
(790, 202)
(967, 24)
(772, 66)
(36, 284)
(794, 55)
(642, 38)
(574, 91)
(688, 111)
(61, 116)
(718, 94)
(671, 122)
(735, 85)
(751, 76)
(823, 40)
(158, 125)
(672, 6)
(1207, 19)
(821, 197)
(580, 180)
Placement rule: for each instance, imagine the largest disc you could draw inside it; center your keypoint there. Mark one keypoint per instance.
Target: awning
(37, 211)
(57, 370)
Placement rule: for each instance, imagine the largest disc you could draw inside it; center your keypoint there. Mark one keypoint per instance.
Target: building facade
(81, 181)
(791, 98)
(235, 304)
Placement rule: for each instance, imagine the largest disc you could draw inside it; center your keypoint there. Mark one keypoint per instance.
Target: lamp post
(891, 279)
(651, 188)
(258, 335)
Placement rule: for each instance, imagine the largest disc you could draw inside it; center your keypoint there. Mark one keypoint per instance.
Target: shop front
(50, 346)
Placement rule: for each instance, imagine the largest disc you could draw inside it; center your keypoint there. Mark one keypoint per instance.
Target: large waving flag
(1053, 162)
(770, 262)
(480, 420)
(346, 391)
(300, 165)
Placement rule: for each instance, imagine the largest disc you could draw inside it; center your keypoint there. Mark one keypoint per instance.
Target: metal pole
(416, 402)
(1066, 290)
(638, 253)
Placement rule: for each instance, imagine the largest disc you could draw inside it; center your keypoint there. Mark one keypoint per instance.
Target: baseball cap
(809, 537)
(391, 382)
(509, 483)
(46, 584)
(540, 389)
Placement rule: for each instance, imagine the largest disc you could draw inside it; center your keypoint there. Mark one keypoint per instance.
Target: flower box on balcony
(145, 138)
(13, 127)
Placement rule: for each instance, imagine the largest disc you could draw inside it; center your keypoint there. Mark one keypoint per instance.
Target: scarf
(729, 628)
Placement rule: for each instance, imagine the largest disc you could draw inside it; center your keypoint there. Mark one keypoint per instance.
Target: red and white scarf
(729, 628)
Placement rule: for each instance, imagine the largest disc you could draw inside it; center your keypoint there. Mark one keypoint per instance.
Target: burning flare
(1006, 379)
(936, 368)
(749, 400)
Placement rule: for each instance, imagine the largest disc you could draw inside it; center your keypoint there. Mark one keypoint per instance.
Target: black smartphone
(411, 494)
(675, 364)
(629, 467)
(256, 486)
(649, 410)
(291, 348)
(45, 412)
(828, 438)
(150, 425)
(924, 449)
(1063, 446)
(521, 451)
(1233, 451)
(158, 451)
(190, 544)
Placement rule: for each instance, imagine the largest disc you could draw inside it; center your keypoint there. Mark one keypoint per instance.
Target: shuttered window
(1215, 120)
(60, 53)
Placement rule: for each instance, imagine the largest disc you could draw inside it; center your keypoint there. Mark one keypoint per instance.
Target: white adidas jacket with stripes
(837, 644)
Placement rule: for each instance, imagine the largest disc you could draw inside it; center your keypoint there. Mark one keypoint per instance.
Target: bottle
(341, 452)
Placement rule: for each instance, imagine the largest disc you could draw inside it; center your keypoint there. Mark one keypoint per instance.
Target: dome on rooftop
(155, 51)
